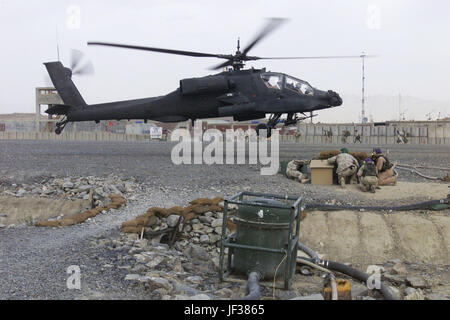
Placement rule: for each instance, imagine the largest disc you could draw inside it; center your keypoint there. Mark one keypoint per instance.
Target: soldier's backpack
(386, 165)
(370, 170)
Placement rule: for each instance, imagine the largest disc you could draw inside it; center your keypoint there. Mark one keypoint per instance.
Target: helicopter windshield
(299, 86)
(273, 81)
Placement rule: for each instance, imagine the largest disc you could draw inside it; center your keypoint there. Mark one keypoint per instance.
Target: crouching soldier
(368, 175)
(386, 174)
(293, 170)
(347, 166)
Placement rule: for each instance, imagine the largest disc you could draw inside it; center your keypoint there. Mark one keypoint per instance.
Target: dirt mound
(403, 190)
(27, 209)
(116, 202)
(369, 238)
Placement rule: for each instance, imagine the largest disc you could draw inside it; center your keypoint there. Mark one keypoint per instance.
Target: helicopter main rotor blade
(318, 57)
(170, 51)
(270, 26)
(249, 58)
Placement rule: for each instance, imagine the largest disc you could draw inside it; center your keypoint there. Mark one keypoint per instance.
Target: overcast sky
(411, 37)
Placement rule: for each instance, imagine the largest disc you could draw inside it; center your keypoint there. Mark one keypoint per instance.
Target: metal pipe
(422, 167)
(254, 290)
(309, 252)
(334, 292)
(418, 173)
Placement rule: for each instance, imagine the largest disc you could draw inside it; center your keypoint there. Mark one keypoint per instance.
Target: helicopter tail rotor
(79, 65)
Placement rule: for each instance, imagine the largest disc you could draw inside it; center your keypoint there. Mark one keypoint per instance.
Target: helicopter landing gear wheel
(273, 120)
(61, 125)
(263, 126)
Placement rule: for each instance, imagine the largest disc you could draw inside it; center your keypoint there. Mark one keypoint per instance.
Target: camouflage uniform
(347, 166)
(368, 174)
(292, 170)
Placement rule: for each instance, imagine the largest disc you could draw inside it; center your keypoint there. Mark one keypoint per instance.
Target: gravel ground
(33, 261)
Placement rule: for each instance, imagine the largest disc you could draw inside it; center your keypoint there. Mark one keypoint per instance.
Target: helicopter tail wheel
(263, 126)
(61, 125)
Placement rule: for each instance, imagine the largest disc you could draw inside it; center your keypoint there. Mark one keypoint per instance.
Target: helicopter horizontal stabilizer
(59, 109)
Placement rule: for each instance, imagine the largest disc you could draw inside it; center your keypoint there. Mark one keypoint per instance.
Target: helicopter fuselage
(242, 94)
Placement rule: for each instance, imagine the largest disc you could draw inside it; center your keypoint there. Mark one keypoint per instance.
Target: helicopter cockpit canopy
(276, 81)
(273, 80)
(298, 86)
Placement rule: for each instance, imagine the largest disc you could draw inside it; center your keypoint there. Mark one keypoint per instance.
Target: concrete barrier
(423, 132)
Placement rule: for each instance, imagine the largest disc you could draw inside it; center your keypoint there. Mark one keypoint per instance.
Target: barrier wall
(73, 136)
(426, 132)
(423, 132)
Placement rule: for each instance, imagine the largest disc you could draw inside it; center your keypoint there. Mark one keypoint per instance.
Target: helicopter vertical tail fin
(62, 80)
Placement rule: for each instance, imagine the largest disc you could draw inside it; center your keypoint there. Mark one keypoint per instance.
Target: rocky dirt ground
(412, 248)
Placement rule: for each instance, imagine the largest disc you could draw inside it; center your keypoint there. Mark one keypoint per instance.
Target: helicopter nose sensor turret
(334, 98)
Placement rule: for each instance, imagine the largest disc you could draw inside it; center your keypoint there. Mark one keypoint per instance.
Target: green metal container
(266, 237)
(265, 227)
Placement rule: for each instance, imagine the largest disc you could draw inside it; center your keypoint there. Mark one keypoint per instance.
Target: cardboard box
(321, 172)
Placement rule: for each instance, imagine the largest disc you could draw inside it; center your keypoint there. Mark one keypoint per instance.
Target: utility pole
(57, 43)
(363, 112)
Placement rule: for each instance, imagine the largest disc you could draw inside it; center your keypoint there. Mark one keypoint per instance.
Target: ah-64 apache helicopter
(242, 94)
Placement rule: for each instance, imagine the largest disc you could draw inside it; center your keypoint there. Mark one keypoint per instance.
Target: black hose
(342, 268)
(254, 290)
(415, 206)
(310, 252)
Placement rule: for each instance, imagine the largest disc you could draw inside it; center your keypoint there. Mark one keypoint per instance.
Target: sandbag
(178, 210)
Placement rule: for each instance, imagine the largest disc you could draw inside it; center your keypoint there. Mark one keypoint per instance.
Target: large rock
(213, 238)
(399, 268)
(142, 258)
(216, 223)
(206, 220)
(136, 277)
(416, 282)
(155, 261)
(172, 220)
(204, 239)
(417, 295)
(159, 282)
(67, 185)
(141, 243)
(196, 253)
(194, 279)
